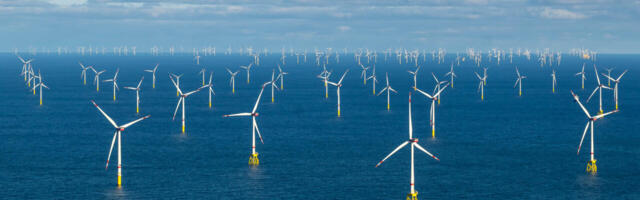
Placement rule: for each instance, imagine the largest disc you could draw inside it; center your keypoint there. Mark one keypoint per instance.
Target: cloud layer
(607, 25)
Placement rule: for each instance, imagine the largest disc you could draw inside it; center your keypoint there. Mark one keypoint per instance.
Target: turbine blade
(135, 121)
(424, 150)
(105, 115)
(394, 151)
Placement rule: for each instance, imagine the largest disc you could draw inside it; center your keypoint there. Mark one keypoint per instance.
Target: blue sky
(602, 25)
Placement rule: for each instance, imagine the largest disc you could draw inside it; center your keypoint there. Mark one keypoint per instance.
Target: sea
(503, 147)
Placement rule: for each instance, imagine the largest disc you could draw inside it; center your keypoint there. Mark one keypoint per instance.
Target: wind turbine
(197, 58)
(248, 68)
(615, 87)
(137, 89)
(485, 76)
(519, 81)
(553, 81)
(609, 74)
(83, 75)
(40, 85)
(115, 84)
(25, 65)
(438, 83)
(363, 75)
(117, 134)
(481, 85)
(338, 86)
(210, 86)
(413, 194)
(432, 111)
(281, 75)
(153, 71)
(253, 160)
(374, 79)
(203, 74)
(325, 78)
(598, 88)
(452, 74)
(96, 80)
(273, 83)
(388, 89)
(232, 81)
(582, 77)
(183, 98)
(177, 82)
(591, 165)
(415, 77)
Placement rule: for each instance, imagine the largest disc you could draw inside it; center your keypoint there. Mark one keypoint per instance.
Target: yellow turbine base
(137, 110)
(591, 167)
(616, 106)
(177, 93)
(253, 159)
(183, 129)
(271, 99)
(388, 107)
(481, 98)
(85, 81)
(233, 90)
(209, 104)
(40, 102)
(338, 112)
(412, 196)
(553, 90)
(154, 85)
(34, 92)
(433, 133)
(326, 95)
(97, 89)
(600, 112)
(519, 93)
(114, 97)
(119, 181)
(438, 101)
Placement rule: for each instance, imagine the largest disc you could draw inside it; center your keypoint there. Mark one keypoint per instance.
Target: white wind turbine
(177, 82)
(281, 75)
(438, 84)
(388, 89)
(115, 83)
(451, 74)
(325, 78)
(96, 79)
(117, 134)
(519, 82)
(137, 89)
(25, 66)
(183, 98)
(203, 72)
(273, 83)
(363, 75)
(374, 79)
(432, 111)
(210, 86)
(481, 85)
(253, 160)
(615, 87)
(338, 86)
(591, 166)
(609, 74)
(415, 77)
(248, 68)
(39, 86)
(553, 81)
(413, 194)
(153, 71)
(598, 88)
(83, 75)
(582, 76)
(232, 80)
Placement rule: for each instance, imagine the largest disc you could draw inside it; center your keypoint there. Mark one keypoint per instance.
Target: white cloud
(126, 4)
(552, 13)
(66, 3)
(344, 28)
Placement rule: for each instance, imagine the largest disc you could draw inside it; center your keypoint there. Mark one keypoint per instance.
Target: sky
(607, 26)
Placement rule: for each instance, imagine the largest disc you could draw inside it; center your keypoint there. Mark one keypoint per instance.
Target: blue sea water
(505, 147)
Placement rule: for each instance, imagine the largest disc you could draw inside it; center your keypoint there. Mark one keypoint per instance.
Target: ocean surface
(505, 147)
